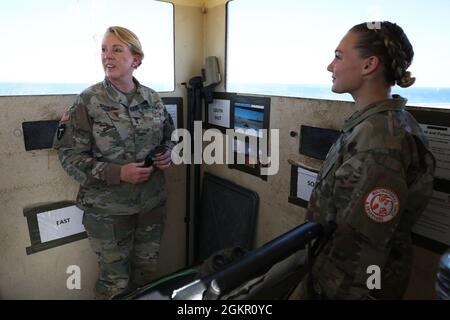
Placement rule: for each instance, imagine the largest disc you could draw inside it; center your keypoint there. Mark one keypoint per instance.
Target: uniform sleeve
(74, 141)
(370, 193)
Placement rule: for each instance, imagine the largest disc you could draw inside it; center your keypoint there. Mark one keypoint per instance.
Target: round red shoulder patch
(382, 205)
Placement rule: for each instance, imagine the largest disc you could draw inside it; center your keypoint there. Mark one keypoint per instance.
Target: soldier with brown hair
(377, 178)
(102, 141)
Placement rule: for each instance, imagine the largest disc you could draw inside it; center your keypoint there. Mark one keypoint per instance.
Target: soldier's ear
(370, 65)
(137, 61)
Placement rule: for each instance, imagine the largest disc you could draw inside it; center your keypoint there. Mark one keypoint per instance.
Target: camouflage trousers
(127, 247)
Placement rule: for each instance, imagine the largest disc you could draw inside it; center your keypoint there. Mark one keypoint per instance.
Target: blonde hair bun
(407, 80)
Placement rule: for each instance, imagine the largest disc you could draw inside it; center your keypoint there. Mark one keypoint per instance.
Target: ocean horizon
(417, 96)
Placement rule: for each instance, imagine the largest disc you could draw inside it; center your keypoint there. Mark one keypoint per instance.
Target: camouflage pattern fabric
(127, 247)
(103, 130)
(100, 133)
(374, 183)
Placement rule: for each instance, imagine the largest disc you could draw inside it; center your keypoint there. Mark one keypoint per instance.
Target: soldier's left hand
(163, 160)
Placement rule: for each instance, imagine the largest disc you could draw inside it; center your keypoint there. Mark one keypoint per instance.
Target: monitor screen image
(248, 119)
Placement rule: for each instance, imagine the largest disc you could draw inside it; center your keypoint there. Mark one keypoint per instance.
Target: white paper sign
(439, 140)
(306, 181)
(173, 111)
(60, 223)
(219, 113)
(435, 220)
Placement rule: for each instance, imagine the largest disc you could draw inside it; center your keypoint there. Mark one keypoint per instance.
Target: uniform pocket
(152, 128)
(372, 198)
(107, 132)
(104, 122)
(98, 227)
(155, 216)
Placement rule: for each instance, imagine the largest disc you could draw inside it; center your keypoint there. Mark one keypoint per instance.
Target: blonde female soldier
(102, 141)
(377, 178)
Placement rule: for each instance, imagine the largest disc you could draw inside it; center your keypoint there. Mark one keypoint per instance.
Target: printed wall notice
(60, 223)
(439, 140)
(435, 220)
(305, 183)
(219, 113)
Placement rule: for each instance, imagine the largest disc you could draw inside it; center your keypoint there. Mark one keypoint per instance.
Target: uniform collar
(119, 96)
(395, 103)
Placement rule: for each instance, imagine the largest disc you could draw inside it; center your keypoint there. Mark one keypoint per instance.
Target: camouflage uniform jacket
(374, 183)
(100, 133)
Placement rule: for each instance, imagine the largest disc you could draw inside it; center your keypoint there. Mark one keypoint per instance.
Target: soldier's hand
(163, 160)
(135, 172)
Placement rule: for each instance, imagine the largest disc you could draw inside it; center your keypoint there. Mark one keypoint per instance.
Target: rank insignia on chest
(60, 131)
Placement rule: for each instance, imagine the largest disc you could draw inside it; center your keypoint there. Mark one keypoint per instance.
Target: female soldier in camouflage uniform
(102, 141)
(377, 178)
